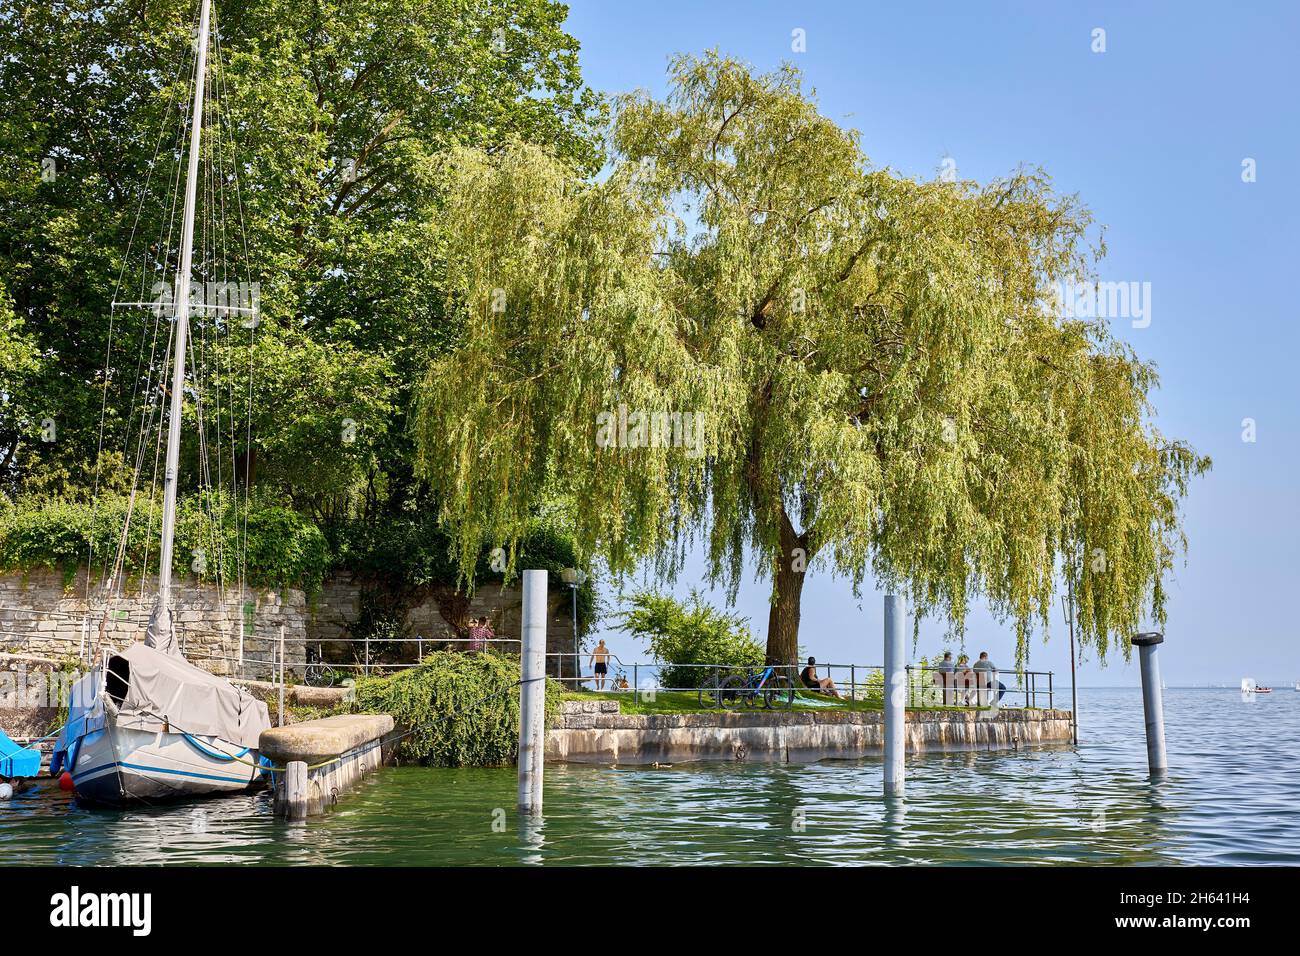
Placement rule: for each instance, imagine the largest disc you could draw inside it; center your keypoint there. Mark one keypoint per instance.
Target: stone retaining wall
(596, 732)
(39, 615)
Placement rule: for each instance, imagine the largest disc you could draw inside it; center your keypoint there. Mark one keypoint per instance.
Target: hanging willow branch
(882, 385)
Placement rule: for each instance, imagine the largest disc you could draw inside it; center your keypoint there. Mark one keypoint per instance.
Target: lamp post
(575, 578)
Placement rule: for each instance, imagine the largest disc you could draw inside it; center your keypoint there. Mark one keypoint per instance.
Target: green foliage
(461, 709)
(689, 633)
(349, 265)
(413, 551)
(284, 549)
(882, 382)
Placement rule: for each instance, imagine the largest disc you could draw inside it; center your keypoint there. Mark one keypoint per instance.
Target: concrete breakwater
(323, 759)
(597, 732)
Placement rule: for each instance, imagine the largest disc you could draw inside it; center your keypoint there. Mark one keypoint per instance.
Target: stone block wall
(595, 731)
(339, 605)
(38, 615)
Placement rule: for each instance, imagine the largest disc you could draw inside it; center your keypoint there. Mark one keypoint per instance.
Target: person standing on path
(600, 660)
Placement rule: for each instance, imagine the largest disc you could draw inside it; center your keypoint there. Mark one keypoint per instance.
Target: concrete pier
(323, 759)
(596, 732)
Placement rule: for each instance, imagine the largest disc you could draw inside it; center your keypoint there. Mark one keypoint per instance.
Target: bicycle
(764, 688)
(318, 673)
(768, 689)
(721, 690)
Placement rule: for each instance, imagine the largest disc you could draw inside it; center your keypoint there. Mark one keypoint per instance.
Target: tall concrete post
(1153, 703)
(532, 693)
(895, 695)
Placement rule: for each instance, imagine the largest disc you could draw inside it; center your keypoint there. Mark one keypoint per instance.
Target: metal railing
(848, 681)
(927, 686)
(924, 687)
(968, 687)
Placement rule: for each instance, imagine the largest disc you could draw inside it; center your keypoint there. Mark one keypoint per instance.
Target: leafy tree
(690, 633)
(884, 382)
(336, 111)
(19, 361)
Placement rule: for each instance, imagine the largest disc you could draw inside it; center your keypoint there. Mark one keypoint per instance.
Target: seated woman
(808, 676)
(965, 675)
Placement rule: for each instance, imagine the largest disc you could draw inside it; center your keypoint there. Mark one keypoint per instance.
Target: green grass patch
(688, 702)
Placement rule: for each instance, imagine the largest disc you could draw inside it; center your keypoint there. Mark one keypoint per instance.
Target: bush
(283, 548)
(460, 710)
(690, 633)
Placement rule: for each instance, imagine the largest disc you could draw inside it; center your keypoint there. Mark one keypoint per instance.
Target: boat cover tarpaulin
(16, 761)
(159, 633)
(167, 692)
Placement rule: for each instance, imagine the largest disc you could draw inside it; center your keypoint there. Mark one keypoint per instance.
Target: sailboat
(145, 724)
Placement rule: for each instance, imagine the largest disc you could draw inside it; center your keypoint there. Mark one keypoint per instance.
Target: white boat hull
(118, 765)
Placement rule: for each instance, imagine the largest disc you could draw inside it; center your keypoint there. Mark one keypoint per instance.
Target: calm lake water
(1231, 798)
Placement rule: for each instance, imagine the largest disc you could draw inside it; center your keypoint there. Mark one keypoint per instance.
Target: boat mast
(182, 303)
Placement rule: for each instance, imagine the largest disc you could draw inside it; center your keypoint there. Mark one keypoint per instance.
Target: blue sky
(1152, 134)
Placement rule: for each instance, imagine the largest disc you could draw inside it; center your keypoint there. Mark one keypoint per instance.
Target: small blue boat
(16, 761)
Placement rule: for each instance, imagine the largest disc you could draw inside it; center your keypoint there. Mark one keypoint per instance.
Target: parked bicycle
(755, 688)
(318, 672)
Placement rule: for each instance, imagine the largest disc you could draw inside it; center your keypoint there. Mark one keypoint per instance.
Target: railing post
(1051, 693)
(853, 682)
(281, 715)
(636, 683)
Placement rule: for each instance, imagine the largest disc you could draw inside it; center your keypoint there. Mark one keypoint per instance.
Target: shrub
(459, 710)
(690, 633)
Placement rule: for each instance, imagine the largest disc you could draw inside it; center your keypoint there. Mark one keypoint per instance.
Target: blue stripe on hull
(77, 777)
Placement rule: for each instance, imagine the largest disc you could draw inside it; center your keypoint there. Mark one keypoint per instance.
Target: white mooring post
(1153, 703)
(532, 693)
(895, 695)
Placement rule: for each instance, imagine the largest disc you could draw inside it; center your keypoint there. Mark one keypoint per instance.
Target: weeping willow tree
(744, 334)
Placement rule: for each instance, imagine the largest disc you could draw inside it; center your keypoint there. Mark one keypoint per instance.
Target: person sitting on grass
(810, 679)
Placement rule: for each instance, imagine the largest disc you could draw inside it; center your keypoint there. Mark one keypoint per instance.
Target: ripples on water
(1230, 799)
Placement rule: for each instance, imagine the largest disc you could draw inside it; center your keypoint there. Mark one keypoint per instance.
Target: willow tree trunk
(787, 590)
(783, 619)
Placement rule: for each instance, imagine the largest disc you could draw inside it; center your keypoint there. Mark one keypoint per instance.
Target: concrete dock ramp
(317, 761)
